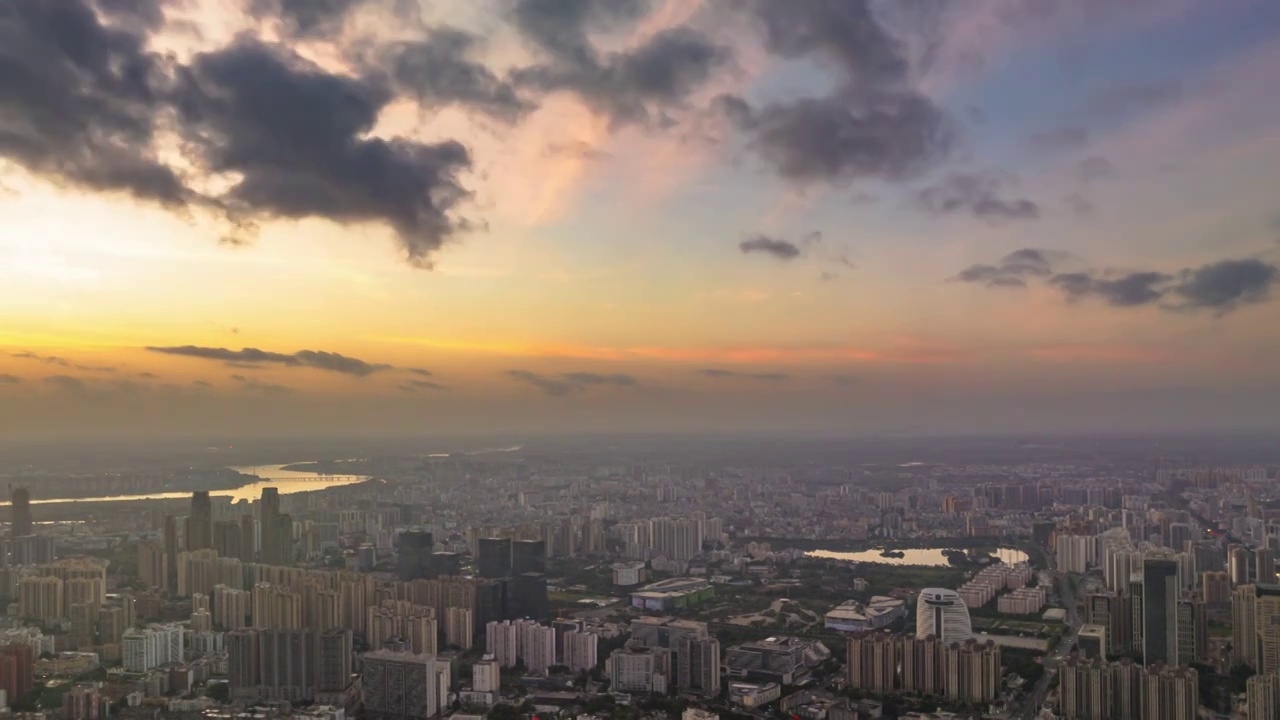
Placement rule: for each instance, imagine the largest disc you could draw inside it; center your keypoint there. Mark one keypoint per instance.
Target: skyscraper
(200, 522)
(269, 519)
(333, 664)
(1267, 625)
(1160, 591)
(1244, 629)
(1264, 696)
(414, 555)
(493, 557)
(528, 556)
(20, 507)
(1264, 560)
(171, 550)
(942, 614)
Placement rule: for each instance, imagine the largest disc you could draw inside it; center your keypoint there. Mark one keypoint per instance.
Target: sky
(821, 217)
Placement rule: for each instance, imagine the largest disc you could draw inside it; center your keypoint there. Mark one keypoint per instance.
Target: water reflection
(286, 481)
(924, 557)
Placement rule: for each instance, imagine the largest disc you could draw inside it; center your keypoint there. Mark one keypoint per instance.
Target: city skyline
(514, 216)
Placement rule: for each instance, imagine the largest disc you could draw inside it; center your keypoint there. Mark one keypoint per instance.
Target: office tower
(494, 557)
(699, 666)
(20, 514)
(1238, 564)
(1263, 693)
(528, 596)
(1111, 611)
(502, 641)
(242, 664)
(1267, 625)
(227, 537)
(1193, 636)
(486, 675)
(942, 614)
(537, 647)
(17, 670)
(414, 551)
(171, 550)
(528, 556)
(1160, 591)
(40, 598)
(276, 528)
(333, 664)
(399, 686)
(153, 565)
(459, 627)
(1264, 560)
(285, 659)
(200, 522)
(1215, 588)
(1170, 693)
(1092, 641)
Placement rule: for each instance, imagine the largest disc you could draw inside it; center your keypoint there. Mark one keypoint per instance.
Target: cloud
(1094, 168)
(576, 149)
(10, 379)
(148, 375)
(419, 372)
(1221, 286)
(415, 385)
(253, 357)
(66, 383)
(978, 194)
(1059, 140)
(1013, 269)
(720, 373)
(254, 385)
(777, 247)
(308, 18)
(1080, 205)
(47, 359)
(1126, 100)
(844, 379)
(439, 71)
(568, 383)
(297, 138)
(873, 125)
(202, 383)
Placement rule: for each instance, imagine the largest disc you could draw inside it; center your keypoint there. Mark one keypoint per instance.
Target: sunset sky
(801, 216)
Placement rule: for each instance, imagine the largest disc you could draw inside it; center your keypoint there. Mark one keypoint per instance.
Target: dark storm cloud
(1225, 285)
(316, 18)
(720, 374)
(78, 104)
(634, 86)
(1129, 290)
(297, 138)
(568, 383)
(255, 385)
(439, 71)
(837, 139)
(1012, 271)
(874, 125)
(66, 383)
(560, 27)
(777, 247)
(1060, 139)
(138, 13)
(10, 379)
(318, 359)
(978, 194)
(1221, 286)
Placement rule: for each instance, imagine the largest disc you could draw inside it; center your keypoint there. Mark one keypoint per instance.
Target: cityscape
(639, 360)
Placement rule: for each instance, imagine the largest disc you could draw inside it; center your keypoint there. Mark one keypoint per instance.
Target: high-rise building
(200, 522)
(276, 529)
(333, 664)
(17, 670)
(1238, 564)
(227, 540)
(171, 550)
(1267, 626)
(502, 641)
(1193, 637)
(20, 513)
(399, 686)
(1264, 560)
(1170, 693)
(1244, 629)
(41, 598)
(1092, 640)
(459, 627)
(1263, 693)
(493, 557)
(85, 701)
(942, 614)
(579, 650)
(285, 664)
(528, 556)
(636, 668)
(1084, 689)
(1161, 588)
(414, 550)
(243, 674)
(486, 675)
(527, 596)
(248, 538)
(537, 647)
(153, 565)
(699, 666)
(1215, 588)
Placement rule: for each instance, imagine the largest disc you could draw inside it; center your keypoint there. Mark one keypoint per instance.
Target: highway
(1054, 655)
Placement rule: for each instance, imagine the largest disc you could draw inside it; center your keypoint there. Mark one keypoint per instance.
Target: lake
(922, 557)
(287, 482)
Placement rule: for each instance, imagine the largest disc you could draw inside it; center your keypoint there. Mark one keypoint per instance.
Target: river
(286, 481)
(926, 557)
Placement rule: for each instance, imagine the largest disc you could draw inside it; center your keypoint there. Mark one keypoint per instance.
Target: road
(1055, 655)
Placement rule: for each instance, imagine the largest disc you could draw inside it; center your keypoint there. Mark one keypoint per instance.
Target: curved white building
(941, 613)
